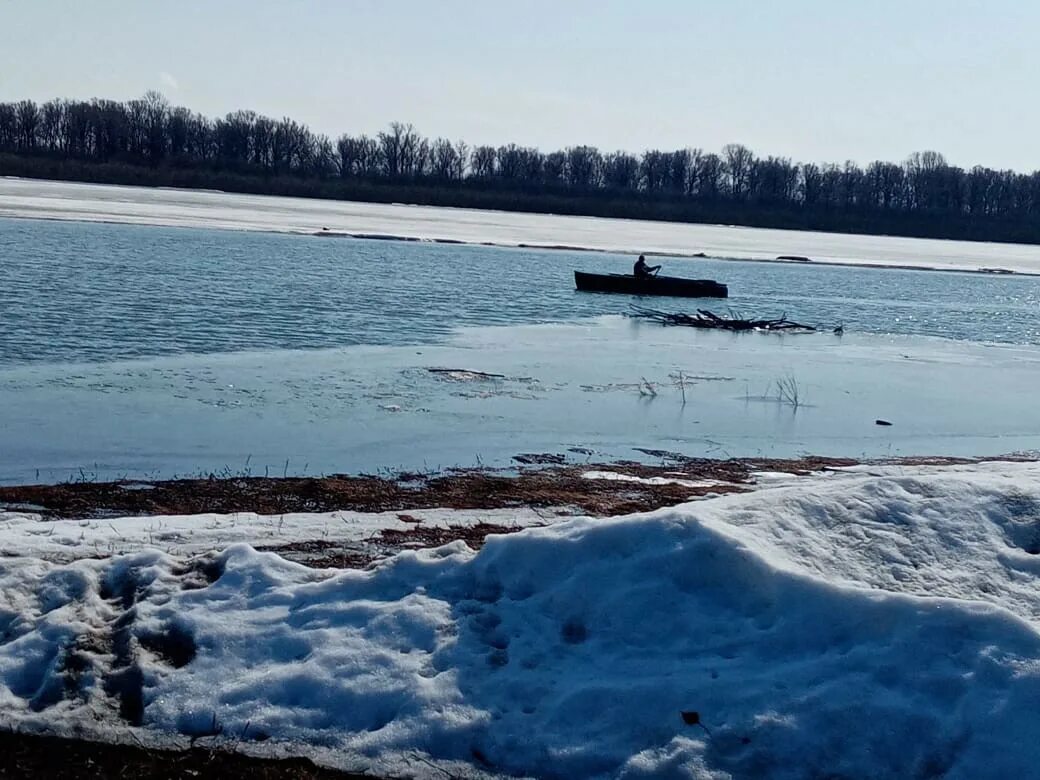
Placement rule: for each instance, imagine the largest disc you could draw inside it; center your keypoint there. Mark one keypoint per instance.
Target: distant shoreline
(677, 255)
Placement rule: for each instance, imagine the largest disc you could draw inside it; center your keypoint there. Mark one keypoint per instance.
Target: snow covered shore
(39, 199)
(872, 622)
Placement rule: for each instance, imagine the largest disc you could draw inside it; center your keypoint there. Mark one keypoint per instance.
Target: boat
(656, 285)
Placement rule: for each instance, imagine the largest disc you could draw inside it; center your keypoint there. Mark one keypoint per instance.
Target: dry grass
(553, 486)
(474, 489)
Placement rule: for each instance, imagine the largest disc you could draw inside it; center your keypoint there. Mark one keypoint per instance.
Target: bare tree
(462, 159)
(156, 112)
(677, 178)
(261, 142)
(482, 162)
(28, 123)
(357, 156)
(621, 171)
(52, 116)
(398, 147)
(510, 162)
(738, 160)
(554, 169)
(653, 170)
(709, 176)
(323, 161)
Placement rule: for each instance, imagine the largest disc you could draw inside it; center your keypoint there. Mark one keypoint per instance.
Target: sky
(814, 80)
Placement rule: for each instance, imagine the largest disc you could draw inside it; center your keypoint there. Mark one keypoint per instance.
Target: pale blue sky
(812, 79)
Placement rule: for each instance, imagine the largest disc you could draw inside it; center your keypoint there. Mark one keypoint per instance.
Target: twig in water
(646, 388)
(787, 391)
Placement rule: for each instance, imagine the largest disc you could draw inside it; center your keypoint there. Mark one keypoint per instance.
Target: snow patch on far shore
(29, 198)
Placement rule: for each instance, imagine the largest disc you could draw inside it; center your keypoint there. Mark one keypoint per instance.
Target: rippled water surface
(76, 292)
(133, 350)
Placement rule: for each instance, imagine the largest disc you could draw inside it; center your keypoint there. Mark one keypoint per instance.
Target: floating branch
(706, 319)
(463, 374)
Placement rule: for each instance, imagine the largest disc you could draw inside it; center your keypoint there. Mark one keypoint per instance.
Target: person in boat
(643, 271)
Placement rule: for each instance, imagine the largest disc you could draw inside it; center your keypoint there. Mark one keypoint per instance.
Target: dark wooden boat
(658, 285)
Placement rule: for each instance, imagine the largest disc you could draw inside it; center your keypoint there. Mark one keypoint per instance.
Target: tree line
(150, 141)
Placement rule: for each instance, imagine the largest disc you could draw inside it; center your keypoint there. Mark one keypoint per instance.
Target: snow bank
(967, 532)
(850, 625)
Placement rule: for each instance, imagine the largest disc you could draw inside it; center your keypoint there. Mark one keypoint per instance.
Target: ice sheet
(563, 387)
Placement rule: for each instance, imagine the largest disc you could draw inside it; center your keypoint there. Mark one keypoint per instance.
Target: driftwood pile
(706, 319)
